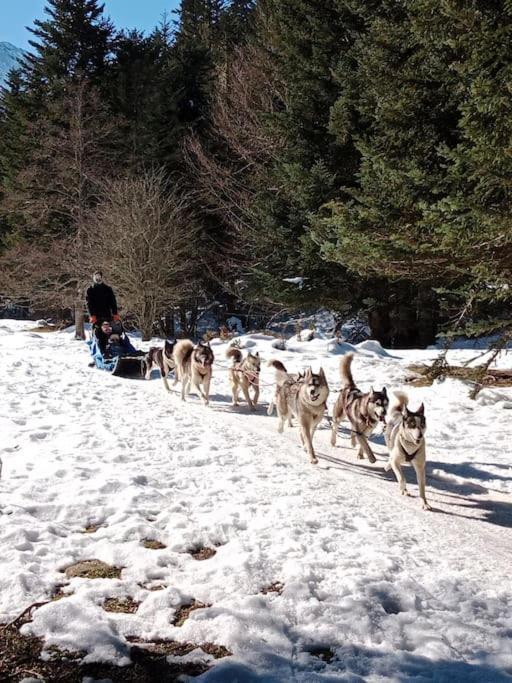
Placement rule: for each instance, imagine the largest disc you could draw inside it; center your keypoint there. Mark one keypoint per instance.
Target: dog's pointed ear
(257, 354)
(308, 373)
(405, 412)
(421, 410)
(372, 392)
(322, 375)
(384, 391)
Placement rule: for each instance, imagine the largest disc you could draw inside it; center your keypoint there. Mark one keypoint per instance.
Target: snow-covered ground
(396, 593)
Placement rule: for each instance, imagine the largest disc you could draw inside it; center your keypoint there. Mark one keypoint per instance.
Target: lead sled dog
(244, 375)
(302, 396)
(194, 367)
(405, 439)
(362, 410)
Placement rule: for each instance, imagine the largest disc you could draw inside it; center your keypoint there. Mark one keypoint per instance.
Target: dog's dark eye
(411, 423)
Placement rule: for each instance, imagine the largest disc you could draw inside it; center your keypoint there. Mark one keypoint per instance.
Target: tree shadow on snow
(454, 496)
(353, 664)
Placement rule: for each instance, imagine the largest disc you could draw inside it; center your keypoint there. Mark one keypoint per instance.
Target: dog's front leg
(256, 394)
(245, 391)
(334, 430)
(185, 387)
(206, 384)
(364, 447)
(234, 391)
(419, 468)
(280, 426)
(166, 383)
(307, 437)
(399, 477)
(148, 371)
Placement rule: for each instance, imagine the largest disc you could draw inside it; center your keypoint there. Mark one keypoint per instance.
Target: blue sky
(141, 14)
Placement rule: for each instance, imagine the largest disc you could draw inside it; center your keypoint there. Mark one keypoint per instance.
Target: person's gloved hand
(116, 317)
(93, 319)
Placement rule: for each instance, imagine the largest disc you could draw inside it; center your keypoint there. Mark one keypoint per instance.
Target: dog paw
(314, 461)
(406, 493)
(426, 506)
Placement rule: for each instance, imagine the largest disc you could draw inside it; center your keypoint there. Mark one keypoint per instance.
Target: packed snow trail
(393, 593)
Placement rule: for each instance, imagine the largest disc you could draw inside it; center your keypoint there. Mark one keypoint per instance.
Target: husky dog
(296, 377)
(244, 374)
(162, 359)
(405, 438)
(303, 396)
(363, 411)
(194, 366)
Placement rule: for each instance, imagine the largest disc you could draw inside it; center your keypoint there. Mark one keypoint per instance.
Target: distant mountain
(9, 56)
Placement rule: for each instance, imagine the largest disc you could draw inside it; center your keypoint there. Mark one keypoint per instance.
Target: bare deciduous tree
(54, 195)
(144, 236)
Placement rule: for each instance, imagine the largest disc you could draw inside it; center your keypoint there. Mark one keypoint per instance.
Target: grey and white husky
(405, 438)
(363, 411)
(304, 397)
(244, 374)
(194, 367)
(161, 358)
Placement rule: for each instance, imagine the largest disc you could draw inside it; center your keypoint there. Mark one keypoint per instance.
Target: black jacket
(101, 301)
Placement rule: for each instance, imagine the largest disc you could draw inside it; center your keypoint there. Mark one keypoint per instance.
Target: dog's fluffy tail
(281, 373)
(235, 354)
(182, 351)
(399, 402)
(345, 370)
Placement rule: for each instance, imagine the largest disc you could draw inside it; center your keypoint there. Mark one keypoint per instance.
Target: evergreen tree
(425, 106)
(71, 46)
(145, 93)
(73, 43)
(399, 106)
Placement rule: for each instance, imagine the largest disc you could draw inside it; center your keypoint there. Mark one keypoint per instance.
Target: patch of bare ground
(20, 657)
(92, 569)
(326, 654)
(58, 593)
(152, 544)
(275, 587)
(183, 612)
(91, 528)
(172, 647)
(153, 587)
(44, 329)
(123, 605)
(202, 552)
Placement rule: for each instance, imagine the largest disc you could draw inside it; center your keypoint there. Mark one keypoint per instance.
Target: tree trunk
(167, 325)
(79, 320)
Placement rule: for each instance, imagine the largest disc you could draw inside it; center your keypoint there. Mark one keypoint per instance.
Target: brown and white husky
(194, 367)
(244, 375)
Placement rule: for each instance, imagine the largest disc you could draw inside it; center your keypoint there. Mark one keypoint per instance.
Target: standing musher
(101, 301)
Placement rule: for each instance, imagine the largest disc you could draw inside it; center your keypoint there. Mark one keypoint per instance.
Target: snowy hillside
(304, 573)
(9, 57)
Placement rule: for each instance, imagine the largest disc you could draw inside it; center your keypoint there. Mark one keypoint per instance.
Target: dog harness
(409, 457)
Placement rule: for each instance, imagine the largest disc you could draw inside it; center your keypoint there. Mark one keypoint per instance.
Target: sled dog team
(304, 396)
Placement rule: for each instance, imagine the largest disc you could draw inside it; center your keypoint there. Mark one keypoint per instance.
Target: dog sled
(130, 364)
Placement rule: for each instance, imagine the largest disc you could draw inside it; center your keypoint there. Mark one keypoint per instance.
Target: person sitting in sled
(101, 301)
(114, 343)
